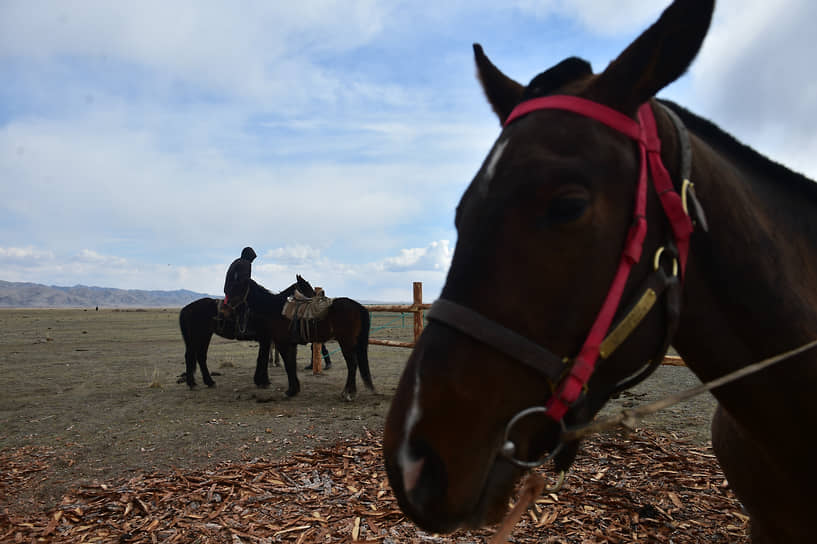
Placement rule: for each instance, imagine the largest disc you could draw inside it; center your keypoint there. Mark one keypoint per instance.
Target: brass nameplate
(628, 324)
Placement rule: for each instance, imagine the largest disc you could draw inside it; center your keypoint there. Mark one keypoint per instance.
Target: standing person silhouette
(236, 285)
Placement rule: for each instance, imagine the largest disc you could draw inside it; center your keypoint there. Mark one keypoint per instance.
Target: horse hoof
(348, 397)
(291, 393)
(211, 384)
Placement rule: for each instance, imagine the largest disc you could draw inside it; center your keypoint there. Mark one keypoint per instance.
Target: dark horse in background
(541, 232)
(198, 323)
(347, 322)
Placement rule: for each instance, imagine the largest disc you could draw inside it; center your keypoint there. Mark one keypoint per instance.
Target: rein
(628, 418)
(534, 485)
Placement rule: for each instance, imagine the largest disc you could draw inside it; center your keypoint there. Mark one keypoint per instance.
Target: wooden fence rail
(416, 307)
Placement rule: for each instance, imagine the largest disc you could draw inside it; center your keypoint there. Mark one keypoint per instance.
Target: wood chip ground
(643, 487)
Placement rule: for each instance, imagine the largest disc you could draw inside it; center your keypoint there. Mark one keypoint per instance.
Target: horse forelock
(556, 78)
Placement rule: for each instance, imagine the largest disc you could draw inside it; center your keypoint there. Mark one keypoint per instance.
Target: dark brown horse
(347, 322)
(198, 322)
(551, 230)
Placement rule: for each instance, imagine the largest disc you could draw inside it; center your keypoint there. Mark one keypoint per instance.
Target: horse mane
(745, 155)
(265, 301)
(289, 290)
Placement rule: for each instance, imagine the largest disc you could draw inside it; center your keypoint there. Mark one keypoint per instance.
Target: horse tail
(362, 347)
(184, 325)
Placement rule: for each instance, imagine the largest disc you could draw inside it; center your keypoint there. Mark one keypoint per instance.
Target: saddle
(232, 320)
(305, 313)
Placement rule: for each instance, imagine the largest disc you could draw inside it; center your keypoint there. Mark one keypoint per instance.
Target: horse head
(544, 230)
(304, 286)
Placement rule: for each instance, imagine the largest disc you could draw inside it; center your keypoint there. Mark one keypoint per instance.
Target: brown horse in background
(347, 321)
(505, 366)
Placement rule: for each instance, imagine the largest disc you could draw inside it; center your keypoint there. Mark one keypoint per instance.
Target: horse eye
(564, 210)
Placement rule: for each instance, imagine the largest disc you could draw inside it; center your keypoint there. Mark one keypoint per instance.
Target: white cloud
(142, 145)
(437, 257)
(605, 17)
(87, 256)
(20, 254)
(83, 173)
(386, 279)
(389, 279)
(260, 50)
(753, 78)
(296, 254)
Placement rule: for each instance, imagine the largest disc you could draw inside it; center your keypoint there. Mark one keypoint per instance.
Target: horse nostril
(411, 472)
(424, 476)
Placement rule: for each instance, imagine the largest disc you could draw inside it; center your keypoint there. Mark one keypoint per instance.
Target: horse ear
(502, 92)
(657, 58)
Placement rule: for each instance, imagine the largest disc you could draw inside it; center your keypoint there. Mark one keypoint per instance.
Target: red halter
(644, 132)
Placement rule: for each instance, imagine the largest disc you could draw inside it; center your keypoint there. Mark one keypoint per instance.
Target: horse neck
(751, 286)
(264, 302)
(289, 290)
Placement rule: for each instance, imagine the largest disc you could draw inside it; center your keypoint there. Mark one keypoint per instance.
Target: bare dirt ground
(100, 388)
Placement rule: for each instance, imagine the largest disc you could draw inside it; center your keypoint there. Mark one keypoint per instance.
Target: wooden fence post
(418, 315)
(417, 308)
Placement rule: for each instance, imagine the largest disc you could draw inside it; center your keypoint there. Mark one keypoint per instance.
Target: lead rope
(534, 484)
(627, 418)
(532, 488)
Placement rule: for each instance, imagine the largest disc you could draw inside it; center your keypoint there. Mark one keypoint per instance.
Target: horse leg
(350, 390)
(190, 367)
(202, 357)
(290, 355)
(362, 350)
(757, 482)
(262, 363)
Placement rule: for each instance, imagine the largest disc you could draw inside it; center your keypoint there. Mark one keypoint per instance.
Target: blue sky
(143, 144)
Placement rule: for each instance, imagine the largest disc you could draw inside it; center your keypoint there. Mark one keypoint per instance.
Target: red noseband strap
(644, 132)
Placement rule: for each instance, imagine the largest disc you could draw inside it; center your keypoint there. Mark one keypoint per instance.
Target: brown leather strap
(670, 286)
(544, 361)
(512, 344)
(696, 211)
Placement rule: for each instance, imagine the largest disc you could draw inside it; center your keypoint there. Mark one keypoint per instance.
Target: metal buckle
(508, 449)
(686, 186)
(656, 261)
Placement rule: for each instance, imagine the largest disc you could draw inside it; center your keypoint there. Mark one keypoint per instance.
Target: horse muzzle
(445, 431)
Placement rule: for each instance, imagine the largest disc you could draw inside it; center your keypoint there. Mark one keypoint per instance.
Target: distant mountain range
(33, 295)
